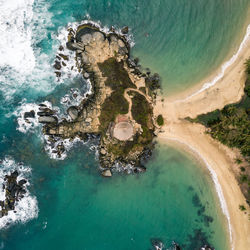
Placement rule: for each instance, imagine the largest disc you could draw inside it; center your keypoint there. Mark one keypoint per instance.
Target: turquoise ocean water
(175, 199)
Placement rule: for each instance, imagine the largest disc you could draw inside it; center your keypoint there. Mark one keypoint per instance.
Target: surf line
(218, 188)
(224, 67)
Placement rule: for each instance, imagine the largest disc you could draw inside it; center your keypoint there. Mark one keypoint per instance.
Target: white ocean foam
(67, 143)
(23, 24)
(15, 42)
(224, 67)
(71, 70)
(27, 208)
(218, 188)
(28, 124)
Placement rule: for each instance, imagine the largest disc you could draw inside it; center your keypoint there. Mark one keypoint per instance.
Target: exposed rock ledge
(120, 108)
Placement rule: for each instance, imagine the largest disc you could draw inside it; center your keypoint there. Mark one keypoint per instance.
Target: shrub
(242, 207)
(160, 120)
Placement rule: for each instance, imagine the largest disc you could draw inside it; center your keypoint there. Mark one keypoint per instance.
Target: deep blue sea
(68, 204)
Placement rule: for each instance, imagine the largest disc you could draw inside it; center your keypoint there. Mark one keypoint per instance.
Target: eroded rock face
(117, 83)
(73, 112)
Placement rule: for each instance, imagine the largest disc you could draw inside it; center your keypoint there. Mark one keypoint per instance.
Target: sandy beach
(226, 86)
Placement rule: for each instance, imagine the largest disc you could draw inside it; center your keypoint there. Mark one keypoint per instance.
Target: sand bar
(226, 89)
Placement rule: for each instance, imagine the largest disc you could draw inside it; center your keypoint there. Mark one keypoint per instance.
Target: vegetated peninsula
(231, 126)
(120, 107)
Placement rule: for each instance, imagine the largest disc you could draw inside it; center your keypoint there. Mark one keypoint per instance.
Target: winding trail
(126, 96)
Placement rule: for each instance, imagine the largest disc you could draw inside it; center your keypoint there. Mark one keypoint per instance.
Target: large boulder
(98, 37)
(30, 114)
(124, 30)
(72, 112)
(86, 38)
(47, 119)
(106, 173)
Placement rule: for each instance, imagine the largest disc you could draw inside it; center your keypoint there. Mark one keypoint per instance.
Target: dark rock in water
(22, 182)
(136, 61)
(13, 191)
(42, 105)
(57, 65)
(206, 247)
(47, 119)
(60, 149)
(30, 114)
(73, 112)
(112, 29)
(140, 169)
(58, 73)
(70, 46)
(64, 57)
(157, 244)
(45, 112)
(61, 48)
(14, 174)
(124, 30)
(176, 246)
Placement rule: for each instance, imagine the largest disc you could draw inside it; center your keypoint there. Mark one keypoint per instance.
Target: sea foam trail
(27, 208)
(224, 67)
(218, 188)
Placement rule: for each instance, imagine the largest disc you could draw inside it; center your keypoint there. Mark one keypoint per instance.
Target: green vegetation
(143, 90)
(117, 77)
(118, 80)
(231, 126)
(238, 161)
(115, 104)
(142, 114)
(242, 208)
(160, 120)
(243, 178)
(153, 82)
(242, 169)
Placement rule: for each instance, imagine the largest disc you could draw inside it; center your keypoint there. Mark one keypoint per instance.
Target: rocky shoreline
(119, 108)
(14, 191)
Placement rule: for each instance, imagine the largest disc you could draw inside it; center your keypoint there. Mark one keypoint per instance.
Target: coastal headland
(218, 158)
(126, 112)
(119, 109)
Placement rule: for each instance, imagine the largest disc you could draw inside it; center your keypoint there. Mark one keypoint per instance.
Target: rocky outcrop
(14, 191)
(73, 112)
(124, 30)
(30, 114)
(104, 59)
(106, 173)
(47, 119)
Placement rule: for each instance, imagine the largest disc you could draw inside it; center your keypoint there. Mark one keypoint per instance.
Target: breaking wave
(26, 208)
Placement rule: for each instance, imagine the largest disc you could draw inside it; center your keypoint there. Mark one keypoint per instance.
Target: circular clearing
(123, 131)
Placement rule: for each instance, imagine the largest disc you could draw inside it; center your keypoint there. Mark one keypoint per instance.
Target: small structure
(123, 131)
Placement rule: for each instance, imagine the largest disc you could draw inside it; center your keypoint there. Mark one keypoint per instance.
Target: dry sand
(217, 158)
